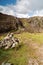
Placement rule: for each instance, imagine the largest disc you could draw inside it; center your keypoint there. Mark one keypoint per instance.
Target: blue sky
(7, 2)
(22, 8)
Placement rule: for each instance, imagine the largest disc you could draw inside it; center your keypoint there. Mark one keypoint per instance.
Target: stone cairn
(9, 41)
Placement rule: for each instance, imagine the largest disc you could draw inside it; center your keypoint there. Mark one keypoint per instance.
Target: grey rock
(9, 41)
(7, 63)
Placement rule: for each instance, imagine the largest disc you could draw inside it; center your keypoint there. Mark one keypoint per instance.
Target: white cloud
(24, 8)
(38, 13)
(22, 15)
(7, 10)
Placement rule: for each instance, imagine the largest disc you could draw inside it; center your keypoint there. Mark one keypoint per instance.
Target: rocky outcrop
(33, 24)
(9, 41)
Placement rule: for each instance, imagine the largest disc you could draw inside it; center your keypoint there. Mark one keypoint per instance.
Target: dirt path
(36, 53)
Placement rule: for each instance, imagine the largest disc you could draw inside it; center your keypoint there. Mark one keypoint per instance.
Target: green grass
(36, 37)
(20, 56)
(3, 55)
(17, 57)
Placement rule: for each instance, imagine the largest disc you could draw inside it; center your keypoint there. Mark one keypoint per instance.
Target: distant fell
(8, 23)
(32, 24)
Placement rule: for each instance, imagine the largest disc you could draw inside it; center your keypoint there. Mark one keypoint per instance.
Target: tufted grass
(36, 37)
(19, 56)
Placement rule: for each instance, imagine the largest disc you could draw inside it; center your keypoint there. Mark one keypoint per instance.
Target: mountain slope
(33, 24)
(8, 23)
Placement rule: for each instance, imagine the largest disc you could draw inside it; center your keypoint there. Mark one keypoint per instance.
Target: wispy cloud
(24, 8)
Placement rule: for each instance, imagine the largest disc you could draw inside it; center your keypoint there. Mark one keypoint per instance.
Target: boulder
(9, 41)
(8, 63)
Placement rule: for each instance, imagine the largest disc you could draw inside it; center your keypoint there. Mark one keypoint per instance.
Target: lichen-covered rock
(9, 41)
(7, 63)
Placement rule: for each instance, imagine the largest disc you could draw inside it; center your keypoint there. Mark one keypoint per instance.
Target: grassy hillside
(8, 23)
(29, 50)
(32, 24)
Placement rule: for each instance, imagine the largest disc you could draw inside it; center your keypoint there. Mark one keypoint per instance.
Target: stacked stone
(9, 41)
